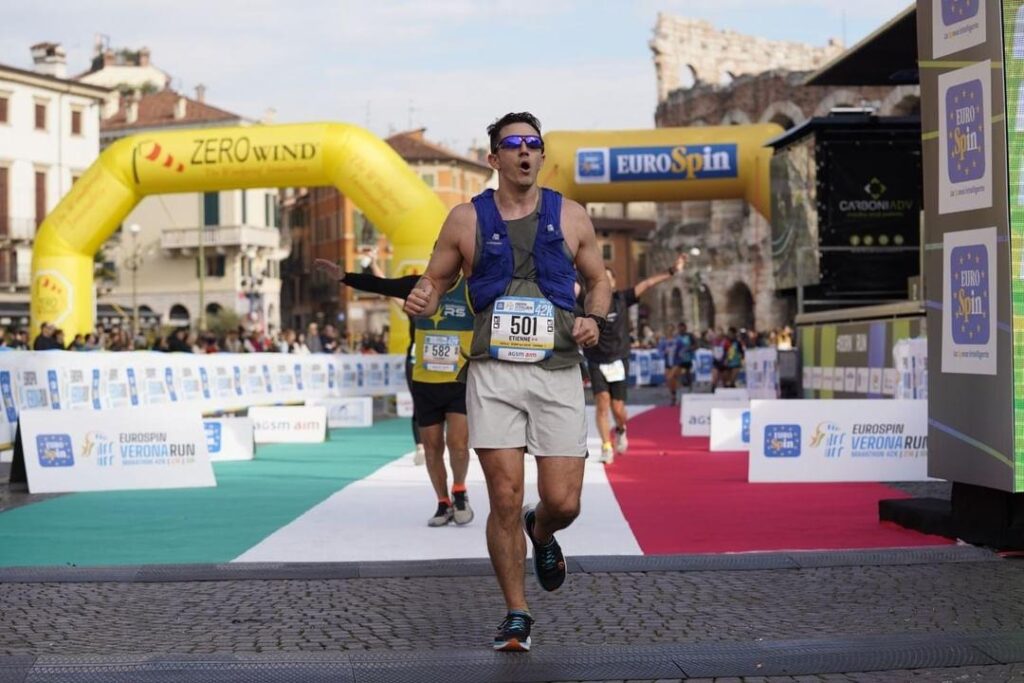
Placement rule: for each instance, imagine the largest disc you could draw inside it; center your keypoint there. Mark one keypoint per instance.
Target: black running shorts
(431, 402)
(599, 384)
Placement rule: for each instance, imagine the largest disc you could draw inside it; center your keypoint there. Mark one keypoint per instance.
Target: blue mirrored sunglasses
(514, 141)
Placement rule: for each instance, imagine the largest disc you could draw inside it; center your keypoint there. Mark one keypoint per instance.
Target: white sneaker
(607, 454)
(444, 514)
(463, 513)
(621, 442)
(420, 458)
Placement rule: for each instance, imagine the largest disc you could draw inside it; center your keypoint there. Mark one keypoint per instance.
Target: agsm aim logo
(831, 437)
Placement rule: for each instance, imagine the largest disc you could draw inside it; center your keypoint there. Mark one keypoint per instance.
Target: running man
(608, 362)
(686, 345)
(437, 396)
(520, 248)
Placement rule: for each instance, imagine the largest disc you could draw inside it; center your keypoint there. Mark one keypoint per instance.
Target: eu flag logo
(955, 11)
(970, 307)
(965, 136)
(54, 450)
(782, 441)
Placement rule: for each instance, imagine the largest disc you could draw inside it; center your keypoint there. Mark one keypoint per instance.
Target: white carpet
(384, 517)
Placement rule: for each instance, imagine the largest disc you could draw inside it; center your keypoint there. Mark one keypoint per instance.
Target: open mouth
(524, 166)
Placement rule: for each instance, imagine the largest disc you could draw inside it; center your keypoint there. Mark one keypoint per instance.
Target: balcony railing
(221, 236)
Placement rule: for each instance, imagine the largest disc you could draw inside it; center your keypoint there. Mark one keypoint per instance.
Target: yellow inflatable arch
(664, 164)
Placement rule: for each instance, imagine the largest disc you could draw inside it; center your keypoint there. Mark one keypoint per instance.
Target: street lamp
(133, 263)
(253, 292)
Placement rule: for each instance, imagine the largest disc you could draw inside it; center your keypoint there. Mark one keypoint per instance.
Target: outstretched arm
(445, 261)
(676, 268)
(398, 287)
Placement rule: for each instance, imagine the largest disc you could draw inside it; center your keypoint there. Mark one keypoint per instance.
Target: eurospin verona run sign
(838, 440)
(971, 57)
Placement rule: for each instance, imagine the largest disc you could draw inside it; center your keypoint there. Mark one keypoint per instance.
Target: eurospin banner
(665, 164)
(836, 440)
(68, 380)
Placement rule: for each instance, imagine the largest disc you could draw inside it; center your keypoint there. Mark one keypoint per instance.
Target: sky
(451, 66)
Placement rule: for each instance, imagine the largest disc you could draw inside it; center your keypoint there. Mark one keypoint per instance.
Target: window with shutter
(40, 197)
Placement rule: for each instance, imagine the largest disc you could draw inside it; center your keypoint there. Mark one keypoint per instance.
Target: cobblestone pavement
(608, 609)
(967, 674)
(630, 608)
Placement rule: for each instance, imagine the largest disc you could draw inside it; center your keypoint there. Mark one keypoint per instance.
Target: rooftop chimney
(50, 59)
(180, 107)
(200, 93)
(132, 113)
(144, 56)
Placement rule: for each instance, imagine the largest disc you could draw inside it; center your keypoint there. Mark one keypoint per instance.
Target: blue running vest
(491, 276)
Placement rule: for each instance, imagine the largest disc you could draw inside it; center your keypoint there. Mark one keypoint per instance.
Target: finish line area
(358, 497)
(314, 562)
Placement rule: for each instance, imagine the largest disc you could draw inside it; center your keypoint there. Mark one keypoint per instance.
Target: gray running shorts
(516, 405)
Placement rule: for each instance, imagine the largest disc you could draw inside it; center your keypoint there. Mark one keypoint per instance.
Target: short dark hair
(494, 130)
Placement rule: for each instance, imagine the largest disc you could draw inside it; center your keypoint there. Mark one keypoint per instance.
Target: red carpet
(680, 498)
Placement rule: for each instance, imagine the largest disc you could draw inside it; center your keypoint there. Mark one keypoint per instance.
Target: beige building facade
(49, 136)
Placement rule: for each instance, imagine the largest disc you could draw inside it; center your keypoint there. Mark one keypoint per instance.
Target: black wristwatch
(601, 322)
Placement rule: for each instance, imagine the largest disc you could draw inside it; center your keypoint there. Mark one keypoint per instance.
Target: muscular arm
(445, 261)
(590, 264)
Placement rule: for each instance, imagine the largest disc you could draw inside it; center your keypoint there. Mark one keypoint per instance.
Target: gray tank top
(521, 234)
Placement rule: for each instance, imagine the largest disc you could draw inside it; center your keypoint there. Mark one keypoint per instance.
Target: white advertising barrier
(257, 388)
(319, 373)
(695, 411)
(286, 378)
(910, 356)
(157, 383)
(352, 411)
(396, 374)
(63, 380)
(193, 381)
(403, 401)
(229, 438)
(80, 380)
(289, 424)
(703, 364)
(732, 393)
(640, 367)
(762, 375)
(838, 440)
(110, 450)
(730, 429)
(119, 386)
(225, 381)
(37, 381)
(10, 361)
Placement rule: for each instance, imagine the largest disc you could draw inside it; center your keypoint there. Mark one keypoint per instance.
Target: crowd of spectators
(182, 339)
(728, 349)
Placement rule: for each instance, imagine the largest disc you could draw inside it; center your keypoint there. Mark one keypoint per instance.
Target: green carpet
(252, 499)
